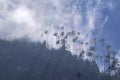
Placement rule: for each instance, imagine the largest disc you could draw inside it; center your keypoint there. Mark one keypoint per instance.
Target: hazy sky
(29, 19)
(112, 27)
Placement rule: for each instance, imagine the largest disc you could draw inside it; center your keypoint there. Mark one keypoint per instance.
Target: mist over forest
(59, 40)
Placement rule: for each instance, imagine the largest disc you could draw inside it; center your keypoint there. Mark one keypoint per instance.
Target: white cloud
(29, 19)
(22, 15)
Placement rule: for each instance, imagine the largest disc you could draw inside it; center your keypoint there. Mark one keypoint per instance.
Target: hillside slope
(21, 60)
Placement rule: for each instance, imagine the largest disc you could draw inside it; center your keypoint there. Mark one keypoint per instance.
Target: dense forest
(22, 60)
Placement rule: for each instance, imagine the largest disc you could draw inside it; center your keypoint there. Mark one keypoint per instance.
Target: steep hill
(20, 60)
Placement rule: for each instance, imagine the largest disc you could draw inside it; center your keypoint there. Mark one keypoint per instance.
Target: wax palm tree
(55, 34)
(113, 54)
(114, 62)
(95, 47)
(46, 32)
(82, 53)
(101, 58)
(63, 40)
(90, 54)
(102, 40)
(87, 43)
(78, 35)
(58, 42)
(75, 40)
(57, 38)
(66, 38)
(108, 60)
(62, 34)
(97, 56)
(72, 33)
(82, 50)
(92, 48)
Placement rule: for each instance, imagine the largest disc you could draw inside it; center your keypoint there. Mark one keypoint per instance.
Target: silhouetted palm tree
(78, 38)
(82, 53)
(58, 42)
(46, 32)
(93, 50)
(108, 60)
(55, 34)
(102, 40)
(90, 54)
(74, 39)
(62, 34)
(57, 38)
(86, 43)
(78, 33)
(101, 58)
